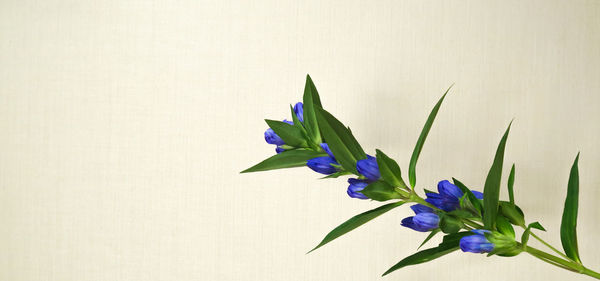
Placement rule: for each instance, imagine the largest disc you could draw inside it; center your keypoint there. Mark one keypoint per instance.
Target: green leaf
(286, 159)
(449, 245)
(389, 169)
(504, 226)
(311, 101)
(290, 134)
(511, 183)
(568, 225)
(537, 225)
(412, 174)
(336, 175)
(527, 232)
(357, 221)
(342, 143)
(475, 203)
(512, 212)
(431, 234)
(491, 190)
(380, 191)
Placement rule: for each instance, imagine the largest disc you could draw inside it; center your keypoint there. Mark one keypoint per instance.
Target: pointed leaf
(342, 143)
(389, 169)
(412, 173)
(290, 134)
(431, 235)
(504, 226)
(568, 225)
(310, 101)
(491, 190)
(511, 183)
(380, 191)
(356, 221)
(448, 245)
(286, 159)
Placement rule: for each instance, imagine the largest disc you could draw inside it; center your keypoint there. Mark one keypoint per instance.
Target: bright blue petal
(448, 189)
(419, 208)
(355, 187)
(368, 168)
(322, 165)
(325, 147)
(478, 195)
(272, 138)
(299, 110)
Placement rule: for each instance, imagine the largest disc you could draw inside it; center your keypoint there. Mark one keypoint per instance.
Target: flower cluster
(466, 221)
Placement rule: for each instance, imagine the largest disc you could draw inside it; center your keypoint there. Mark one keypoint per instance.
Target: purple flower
(476, 243)
(322, 165)
(279, 149)
(355, 187)
(368, 168)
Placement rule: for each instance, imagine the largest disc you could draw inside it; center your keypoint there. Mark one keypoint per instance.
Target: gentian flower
(299, 110)
(368, 168)
(272, 138)
(424, 220)
(279, 149)
(477, 243)
(322, 165)
(355, 186)
(448, 198)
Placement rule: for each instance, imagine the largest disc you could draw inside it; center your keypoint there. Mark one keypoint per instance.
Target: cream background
(125, 124)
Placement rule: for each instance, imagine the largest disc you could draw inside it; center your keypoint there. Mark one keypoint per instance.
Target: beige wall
(125, 124)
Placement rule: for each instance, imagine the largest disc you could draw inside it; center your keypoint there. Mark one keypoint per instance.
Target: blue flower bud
(447, 189)
(325, 147)
(446, 203)
(420, 208)
(279, 149)
(272, 138)
(322, 165)
(299, 110)
(422, 222)
(355, 186)
(368, 168)
(476, 243)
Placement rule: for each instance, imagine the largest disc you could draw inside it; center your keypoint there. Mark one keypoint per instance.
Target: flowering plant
(469, 220)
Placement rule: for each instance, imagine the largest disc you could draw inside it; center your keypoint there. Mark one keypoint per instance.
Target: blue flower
(355, 186)
(448, 198)
(279, 149)
(299, 110)
(322, 165)
(368, 168)
(476, 243)
(325, 147)
(272, 138)
(424, 220)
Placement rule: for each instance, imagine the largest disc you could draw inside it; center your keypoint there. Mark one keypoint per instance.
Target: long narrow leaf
(568, 225)
(342, 143)
(290, 134)
(286, 159)
(491, 190)
(449, 245)
(511, 183)
(311, 100)
(412, 173)
(356, 221)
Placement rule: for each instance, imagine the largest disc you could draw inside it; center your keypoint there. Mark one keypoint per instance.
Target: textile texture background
(125, 125)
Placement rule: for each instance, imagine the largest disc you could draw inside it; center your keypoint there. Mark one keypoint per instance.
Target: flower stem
(548, 245)
(562, 263)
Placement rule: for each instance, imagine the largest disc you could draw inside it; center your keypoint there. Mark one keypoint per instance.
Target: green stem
(562, 263)
(548, 245)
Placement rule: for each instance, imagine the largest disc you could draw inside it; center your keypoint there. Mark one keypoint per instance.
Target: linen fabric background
(125, 125)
